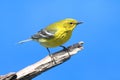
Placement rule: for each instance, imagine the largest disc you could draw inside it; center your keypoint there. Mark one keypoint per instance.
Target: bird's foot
(52, 58)
(65, 49)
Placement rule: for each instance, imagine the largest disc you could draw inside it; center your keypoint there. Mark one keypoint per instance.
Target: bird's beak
(79, 23)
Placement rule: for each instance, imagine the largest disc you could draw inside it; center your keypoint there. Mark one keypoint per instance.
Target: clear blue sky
(100, 60)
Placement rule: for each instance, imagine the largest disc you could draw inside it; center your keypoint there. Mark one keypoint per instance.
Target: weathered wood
(28, 73)
(10, 76)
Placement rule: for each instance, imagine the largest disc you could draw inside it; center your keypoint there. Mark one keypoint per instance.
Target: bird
(55, 34)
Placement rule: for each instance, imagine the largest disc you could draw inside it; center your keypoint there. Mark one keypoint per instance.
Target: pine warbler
(55, 34)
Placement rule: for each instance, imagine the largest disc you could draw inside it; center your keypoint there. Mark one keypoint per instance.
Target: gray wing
(43, 33)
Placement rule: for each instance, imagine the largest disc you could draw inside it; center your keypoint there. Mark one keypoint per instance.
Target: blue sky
(100, 59)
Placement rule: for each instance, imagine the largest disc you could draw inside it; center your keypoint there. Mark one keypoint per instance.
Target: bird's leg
(51, 55)
(66, 50)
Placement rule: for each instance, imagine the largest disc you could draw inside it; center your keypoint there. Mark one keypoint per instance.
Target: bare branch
(28, 73)
(10, 76)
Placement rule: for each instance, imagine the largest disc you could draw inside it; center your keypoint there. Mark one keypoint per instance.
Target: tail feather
(23, 41)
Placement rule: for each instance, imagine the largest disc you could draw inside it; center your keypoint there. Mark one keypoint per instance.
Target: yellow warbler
(55, 34)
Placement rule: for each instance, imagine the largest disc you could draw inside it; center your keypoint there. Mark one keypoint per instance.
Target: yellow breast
(60, 38)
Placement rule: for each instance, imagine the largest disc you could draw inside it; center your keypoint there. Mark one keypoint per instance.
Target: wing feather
(43, 33)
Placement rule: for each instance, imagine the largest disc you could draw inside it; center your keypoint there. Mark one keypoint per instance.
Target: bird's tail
(23, 41)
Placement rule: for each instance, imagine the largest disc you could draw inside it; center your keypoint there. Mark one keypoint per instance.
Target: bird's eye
(71, 23)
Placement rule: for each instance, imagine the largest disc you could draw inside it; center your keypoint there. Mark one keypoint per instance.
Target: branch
(10, 76)
(46, 63)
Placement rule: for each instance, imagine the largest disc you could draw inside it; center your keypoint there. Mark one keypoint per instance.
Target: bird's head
(69, 23)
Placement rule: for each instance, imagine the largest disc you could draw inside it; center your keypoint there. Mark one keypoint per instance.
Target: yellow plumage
(55, 34)
(63, 31)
